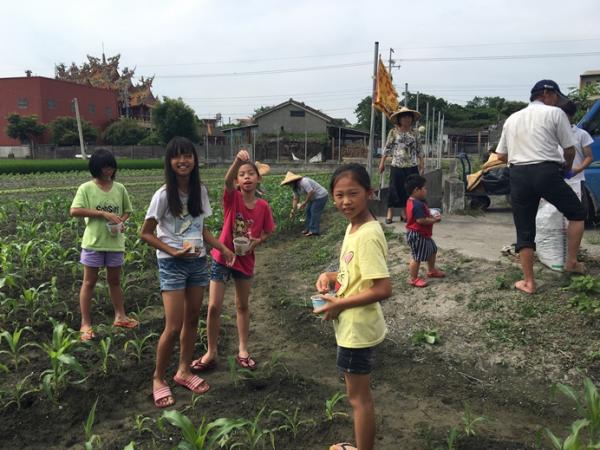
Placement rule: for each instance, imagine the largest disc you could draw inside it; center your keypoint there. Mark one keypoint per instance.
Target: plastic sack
(551, 233)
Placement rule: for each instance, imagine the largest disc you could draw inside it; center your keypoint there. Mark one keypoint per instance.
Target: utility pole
(406, 94)
(81, 144)
(372, 128)
(391, 65)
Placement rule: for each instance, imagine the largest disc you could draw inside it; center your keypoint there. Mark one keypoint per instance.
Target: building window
(296, 113)
(92, 108)
(108, 112)
(22, 103)
(51, 104)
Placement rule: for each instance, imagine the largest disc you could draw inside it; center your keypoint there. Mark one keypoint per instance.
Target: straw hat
(263, 169)
(290, 177)
(402, 110)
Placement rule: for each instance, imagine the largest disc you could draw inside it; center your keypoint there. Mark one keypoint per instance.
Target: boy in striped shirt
(419, 226)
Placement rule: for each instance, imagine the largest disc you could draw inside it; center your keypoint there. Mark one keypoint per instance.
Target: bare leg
(527, 284)
(242, 295)
(413, 268)
(90, 277)
(574, 234)
(358, 388)
(390, 214)
(403, 213)
(189, 331)
(173, 302)
(213, 319)
(431, 263)
(113, 278)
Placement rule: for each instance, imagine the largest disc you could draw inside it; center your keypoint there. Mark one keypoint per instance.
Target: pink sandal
(342, 446)
(160, 394)
(418, 282)
(194, 383)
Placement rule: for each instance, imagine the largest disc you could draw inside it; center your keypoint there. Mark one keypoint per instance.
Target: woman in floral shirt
(405, 149)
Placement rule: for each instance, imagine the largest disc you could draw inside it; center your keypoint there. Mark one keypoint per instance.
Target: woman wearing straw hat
(316, 199)
(403, 146)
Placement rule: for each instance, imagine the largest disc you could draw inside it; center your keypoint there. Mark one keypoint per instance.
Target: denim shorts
(93, 258)
(359, 361)
(179, 273)
(219, 272)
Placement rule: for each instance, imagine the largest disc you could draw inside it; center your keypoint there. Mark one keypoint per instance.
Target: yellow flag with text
(386, 97)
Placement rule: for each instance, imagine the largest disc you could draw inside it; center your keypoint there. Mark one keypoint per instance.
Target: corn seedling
(469, 420)
(253, 435)
(292, 422)
(139, 345)
(588, 407)
(105, 354)
(15, 348)
(330, 403)
(20, 391)
(573, 441)
(130, 446)
(140, 424)
(452, 438)
(62, 362)
(90, 438)
(207, 436)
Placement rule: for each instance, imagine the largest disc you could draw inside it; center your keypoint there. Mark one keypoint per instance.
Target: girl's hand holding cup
(322, 284)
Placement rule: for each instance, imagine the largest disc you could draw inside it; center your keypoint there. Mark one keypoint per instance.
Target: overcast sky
(192, 47)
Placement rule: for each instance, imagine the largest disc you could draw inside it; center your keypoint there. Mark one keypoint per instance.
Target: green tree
(24, 128)
(584, 98)
(64, 131)
(261, 109)
(172, 117)
(124, 132)
(363, 116)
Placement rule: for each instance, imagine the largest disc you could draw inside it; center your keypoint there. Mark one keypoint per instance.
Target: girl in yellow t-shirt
(361, 282)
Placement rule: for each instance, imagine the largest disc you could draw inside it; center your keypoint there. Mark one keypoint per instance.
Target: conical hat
(290, 177)
(263, 169)
(416, 114)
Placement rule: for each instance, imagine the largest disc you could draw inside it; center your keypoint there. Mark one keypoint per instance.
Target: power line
(499, 57)
(496, 44)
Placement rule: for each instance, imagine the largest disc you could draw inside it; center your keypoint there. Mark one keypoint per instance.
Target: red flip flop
(436, 274)
(160, 394)
(199, 366)
(127, 323)
(246, 363)
(194, 383)
(342, 446)
(418, 282)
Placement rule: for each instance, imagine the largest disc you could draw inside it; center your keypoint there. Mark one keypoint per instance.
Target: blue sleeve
(418, 210)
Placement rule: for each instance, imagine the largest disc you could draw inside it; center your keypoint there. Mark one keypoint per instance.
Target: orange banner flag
(386, 97)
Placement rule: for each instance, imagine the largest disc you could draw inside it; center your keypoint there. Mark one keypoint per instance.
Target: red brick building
(49, 98)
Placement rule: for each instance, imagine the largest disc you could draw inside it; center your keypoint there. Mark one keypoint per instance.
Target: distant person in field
(314, 201)
(174, 225)
(403, 146)
(247, 223)
(539, 146)
(363, 280)
(419, 228)
(583, 152)
(105, 205)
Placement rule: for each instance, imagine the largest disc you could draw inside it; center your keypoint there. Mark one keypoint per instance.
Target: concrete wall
(273, 122)
(17, 151)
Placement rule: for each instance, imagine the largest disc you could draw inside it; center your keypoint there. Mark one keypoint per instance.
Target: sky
(231, 57)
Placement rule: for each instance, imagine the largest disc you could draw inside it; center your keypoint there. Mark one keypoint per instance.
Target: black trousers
(531, 182)
(397, 195)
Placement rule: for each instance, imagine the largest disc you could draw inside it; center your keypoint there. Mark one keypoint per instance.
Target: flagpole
(372, 128)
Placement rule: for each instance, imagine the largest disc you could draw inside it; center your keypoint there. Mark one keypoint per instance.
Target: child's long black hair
(358, 174)
(178, 146)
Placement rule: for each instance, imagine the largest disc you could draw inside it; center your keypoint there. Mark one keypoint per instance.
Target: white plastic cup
(114, 228)
(435, 212)
(317, 302)
(241, 245)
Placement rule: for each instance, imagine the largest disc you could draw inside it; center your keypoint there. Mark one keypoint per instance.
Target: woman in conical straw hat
(405, 149)
(313, 204)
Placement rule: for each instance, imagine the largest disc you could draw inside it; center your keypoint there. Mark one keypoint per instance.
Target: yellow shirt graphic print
(363, 259)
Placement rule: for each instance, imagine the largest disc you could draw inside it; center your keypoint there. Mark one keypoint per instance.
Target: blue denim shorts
(179, 273)
(219, 272)
(359, 361)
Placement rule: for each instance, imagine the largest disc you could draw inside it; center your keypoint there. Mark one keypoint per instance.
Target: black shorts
(531, 182)
(397, 195)
(359, 361)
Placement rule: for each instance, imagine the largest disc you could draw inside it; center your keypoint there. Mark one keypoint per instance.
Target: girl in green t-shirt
(105, 205)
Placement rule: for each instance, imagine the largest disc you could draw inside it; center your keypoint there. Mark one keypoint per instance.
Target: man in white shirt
(530, 143)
